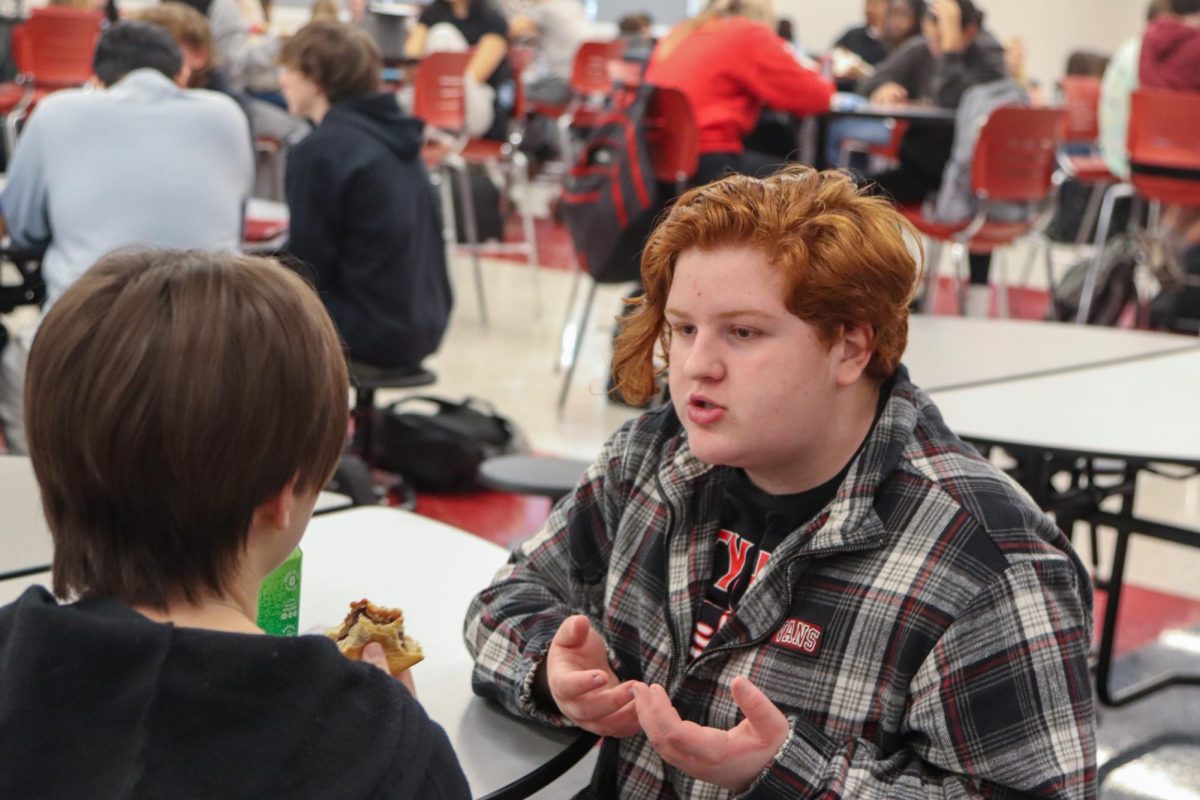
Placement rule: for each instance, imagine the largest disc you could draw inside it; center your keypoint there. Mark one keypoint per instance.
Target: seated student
(865, 43)
(248, 51)
(194, 36)
(1119, 82)
(902, 22)
(159, 164)
(364, 215)
(954, 54)
(559, 26)
(185, 408)
(730, 63)
(893, 616)
(456, 25)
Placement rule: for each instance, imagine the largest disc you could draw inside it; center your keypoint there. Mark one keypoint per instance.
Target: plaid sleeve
(559, 572)
(1002, 707)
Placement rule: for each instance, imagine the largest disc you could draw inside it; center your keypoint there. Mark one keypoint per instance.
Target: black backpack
(1114, 284)
(610, 197)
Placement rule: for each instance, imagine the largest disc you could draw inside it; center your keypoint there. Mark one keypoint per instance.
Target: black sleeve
(896, 68)
(431, 15)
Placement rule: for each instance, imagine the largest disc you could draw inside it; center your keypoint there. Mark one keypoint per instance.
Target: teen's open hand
(583, 685)
(731, 759)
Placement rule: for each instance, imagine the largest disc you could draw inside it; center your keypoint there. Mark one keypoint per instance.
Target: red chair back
(1015, 155)
(55, 46)
(1164, 150)
(1081, 101)
(672, 136)
(590, 75)
(439, 90)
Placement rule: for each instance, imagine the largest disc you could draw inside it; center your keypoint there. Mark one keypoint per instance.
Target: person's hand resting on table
(576, 677)
(731, 759)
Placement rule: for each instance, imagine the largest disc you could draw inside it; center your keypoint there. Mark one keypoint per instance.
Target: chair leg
(364, 407)
(1103, 222)
(579, 334)
(1089, 220)
(1000, 263)
(958, 255)
(520, 166)
(449, 220)
(564, 333)
(933, 256)
(472, 230)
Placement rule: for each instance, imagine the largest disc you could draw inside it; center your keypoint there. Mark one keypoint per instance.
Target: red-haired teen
(794, 581)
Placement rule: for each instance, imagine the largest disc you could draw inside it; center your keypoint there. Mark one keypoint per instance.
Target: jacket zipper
(667, 581)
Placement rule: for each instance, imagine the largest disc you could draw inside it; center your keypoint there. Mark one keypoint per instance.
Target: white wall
(1051, 28)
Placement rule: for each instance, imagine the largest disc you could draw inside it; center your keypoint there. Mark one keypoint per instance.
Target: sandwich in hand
(368, 623)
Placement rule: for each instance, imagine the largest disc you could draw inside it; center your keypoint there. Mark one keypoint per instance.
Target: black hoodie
(99, 702)
(367, 220)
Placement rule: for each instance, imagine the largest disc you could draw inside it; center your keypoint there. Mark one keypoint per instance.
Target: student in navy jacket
(364, 215)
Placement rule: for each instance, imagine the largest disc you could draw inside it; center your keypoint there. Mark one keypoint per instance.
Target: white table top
(431, 571)
(24, 538)
(953, 352)
(1145, 409)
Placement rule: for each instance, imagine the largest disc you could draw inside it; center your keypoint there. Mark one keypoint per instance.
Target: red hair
(848, 259)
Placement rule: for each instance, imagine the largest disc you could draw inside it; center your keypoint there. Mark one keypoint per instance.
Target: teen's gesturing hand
(581, 683)
(731, 759)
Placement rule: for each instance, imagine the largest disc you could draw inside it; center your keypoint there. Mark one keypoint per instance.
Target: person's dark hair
(341, 59)
(785, 30)
(170, 394)
(634, 24)
(1185, 7)
(918, 9)
(127, 46)
(971, 14)
(1157, 8)
(1084, 62)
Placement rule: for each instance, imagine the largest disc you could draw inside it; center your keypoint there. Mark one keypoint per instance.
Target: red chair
(1014, 162)
(673, 141)
(1164, 161)
(52, 50)
(1080, 97)
(591, 85)
(439, 98)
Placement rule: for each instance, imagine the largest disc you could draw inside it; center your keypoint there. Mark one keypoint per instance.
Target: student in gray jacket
(142, 161)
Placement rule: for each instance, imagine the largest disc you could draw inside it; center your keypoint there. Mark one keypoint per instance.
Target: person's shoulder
(68, 103)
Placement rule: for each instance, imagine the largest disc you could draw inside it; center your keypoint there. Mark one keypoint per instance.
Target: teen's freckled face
(753, 384)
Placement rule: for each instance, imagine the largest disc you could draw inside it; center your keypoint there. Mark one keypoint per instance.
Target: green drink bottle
(279, 598)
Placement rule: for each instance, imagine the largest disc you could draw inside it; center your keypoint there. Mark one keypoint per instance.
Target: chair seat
(264, 230)
(1090, 169)
(368, 377)
(994, 233)
(544, 476)
(547, 110)
(482, 151)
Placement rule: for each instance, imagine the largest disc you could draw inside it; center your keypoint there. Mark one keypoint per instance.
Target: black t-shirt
(753, 523)
(860, 42)
(481, 20)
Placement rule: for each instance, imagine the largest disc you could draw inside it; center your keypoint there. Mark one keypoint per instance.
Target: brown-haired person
(184, 410)
(364, 215)
(794, 581)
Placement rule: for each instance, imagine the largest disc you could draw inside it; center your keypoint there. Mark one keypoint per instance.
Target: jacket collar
(849, 521)
(145, 83)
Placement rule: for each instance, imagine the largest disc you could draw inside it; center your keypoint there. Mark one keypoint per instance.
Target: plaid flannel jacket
(952, 620)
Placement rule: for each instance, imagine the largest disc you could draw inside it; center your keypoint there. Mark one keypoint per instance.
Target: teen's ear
(275, 513)
(857, 347)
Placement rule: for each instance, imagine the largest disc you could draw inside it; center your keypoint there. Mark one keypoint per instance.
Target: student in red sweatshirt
(729, 63)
